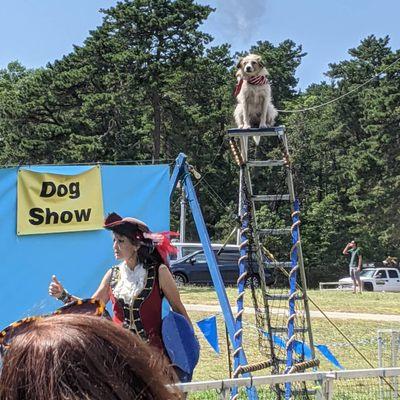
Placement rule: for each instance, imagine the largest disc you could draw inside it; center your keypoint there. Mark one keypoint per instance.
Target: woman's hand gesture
(55, 288)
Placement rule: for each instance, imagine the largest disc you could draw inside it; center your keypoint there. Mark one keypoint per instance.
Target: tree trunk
(157, 126)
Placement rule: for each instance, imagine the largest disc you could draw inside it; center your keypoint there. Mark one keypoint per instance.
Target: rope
(290, 367)
(332, 323)
(244, 235)
(117, 162)
(301, 366)
(343, 95)
(252, 367)
(210, 165)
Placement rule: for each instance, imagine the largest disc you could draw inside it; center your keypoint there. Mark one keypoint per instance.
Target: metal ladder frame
(181, 173)
(297, 263)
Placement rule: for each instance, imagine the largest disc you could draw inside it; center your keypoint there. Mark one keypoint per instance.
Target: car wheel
(180, 279)
(368, 287)
(253, 281)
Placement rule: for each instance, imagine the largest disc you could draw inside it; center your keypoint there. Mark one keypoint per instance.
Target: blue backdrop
(78, 259)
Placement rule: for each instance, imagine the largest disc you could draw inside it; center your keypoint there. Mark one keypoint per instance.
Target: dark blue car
(193, 268)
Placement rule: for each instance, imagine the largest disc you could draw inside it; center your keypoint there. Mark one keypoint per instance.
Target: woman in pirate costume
(137, 285)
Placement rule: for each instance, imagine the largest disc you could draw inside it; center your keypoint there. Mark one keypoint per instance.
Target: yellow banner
(49, 203)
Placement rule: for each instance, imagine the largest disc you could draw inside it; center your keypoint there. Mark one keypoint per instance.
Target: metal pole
(211, 261)
(228, 350)
(244, 141)
(395, 351)
(239, 204)
(380, 363)
(182, 225)
(292, 296)
(299, 252)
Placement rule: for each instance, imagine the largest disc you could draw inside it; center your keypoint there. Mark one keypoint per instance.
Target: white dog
(254, 107)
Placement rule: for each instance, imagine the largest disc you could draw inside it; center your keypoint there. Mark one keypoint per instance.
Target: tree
(345, 160)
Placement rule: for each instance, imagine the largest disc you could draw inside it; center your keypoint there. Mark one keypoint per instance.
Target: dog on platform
(254, 107)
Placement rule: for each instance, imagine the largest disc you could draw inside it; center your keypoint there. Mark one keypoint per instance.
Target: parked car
(184, 248)
(375, 280)
(193, 268)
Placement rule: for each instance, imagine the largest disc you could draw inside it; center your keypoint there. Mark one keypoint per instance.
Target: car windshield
(189, 256)
(187, 253)
(367, 273)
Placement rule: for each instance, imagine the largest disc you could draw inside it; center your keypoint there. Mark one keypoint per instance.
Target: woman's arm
(168, 286)
(57, 290)
(103, 291)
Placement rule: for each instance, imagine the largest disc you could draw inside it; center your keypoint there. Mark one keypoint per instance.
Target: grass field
(363, 334)
(344, 301)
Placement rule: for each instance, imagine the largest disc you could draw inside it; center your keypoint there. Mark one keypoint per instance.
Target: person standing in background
(355, 264)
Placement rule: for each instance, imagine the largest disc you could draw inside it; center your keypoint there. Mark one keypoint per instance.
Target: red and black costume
(143, 315)
(141, 312)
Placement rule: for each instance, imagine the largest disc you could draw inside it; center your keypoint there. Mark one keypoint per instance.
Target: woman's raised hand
(55, 287)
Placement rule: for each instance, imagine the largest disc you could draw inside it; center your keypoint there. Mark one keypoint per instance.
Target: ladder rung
(303, 365)
(282, 297)
(301, 393)
(275, 131)
(276, 232)
(283, 264)
(254, 367)
(284, 329)
(265, 163)
(270, 197)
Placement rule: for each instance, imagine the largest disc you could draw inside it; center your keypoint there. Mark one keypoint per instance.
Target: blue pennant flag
(301, 348)
(208, 327)
(276, 339)
(279, 341)
(329, 356)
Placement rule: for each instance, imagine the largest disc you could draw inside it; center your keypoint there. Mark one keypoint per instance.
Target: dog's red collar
(258, 80)
(254, 80)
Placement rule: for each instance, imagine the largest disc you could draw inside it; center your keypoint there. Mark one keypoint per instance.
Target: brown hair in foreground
(71, 357)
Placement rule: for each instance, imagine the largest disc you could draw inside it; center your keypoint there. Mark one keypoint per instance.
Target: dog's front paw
(263, 126)
(246, 126)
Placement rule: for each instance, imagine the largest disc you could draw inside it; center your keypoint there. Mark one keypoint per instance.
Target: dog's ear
(239, 63)
(260, 61)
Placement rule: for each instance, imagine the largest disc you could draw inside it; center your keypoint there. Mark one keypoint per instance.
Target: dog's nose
(248, 69)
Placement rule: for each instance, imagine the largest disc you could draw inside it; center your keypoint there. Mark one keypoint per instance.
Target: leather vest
(143, 315)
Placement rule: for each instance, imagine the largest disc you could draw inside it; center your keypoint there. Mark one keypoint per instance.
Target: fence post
(380, 362)
(395, 351)
(224, 394)
(327, 388)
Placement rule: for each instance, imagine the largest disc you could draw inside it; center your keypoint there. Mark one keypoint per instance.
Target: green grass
(363, 334)
(344, 301)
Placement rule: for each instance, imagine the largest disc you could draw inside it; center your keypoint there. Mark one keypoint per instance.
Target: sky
(36, 32)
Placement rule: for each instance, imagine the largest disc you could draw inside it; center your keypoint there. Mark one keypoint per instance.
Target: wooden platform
(274, 131)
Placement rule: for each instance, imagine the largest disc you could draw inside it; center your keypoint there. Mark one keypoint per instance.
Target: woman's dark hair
(147, 253)
(76, 357)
